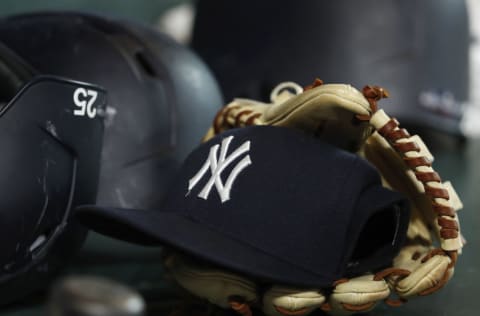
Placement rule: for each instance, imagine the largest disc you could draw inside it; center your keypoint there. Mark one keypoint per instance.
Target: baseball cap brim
(153, 228)
(171, 228)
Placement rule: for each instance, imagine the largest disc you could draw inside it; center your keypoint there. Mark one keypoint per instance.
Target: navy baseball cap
(272, 203)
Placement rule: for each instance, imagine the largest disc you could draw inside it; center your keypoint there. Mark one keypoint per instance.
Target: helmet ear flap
(160, 99)
(14, 73)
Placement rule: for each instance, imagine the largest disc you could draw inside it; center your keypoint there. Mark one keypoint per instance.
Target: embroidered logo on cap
(217, 166)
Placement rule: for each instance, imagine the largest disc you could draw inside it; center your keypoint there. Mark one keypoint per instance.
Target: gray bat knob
(94, 296)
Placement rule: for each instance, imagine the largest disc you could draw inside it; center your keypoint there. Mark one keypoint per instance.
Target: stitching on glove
(317, 82)
(219, 119)
(239, 116)
(240, 305)
(391, 272)
(428, 176)
(410, 151)
(432, 184)
(372, 94)
(358, 308)
(405, 147)
(392, 133)
(286, 312)
(436, 287)
(395, 302)
(401, 273)
(448, 227)
(445, 277)
(252, 118)
(443, 210)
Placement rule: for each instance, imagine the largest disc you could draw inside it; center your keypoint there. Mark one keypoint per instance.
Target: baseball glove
(351, 120)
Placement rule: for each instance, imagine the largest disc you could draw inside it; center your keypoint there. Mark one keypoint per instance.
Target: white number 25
(85, 99)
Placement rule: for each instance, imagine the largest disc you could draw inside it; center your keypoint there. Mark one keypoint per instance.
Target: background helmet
(417, 50)
(161, 99)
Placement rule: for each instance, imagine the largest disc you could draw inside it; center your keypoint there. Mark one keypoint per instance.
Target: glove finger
(425, 275)
(217, 286)
(281, 301)
(359, 294)
(326, 111)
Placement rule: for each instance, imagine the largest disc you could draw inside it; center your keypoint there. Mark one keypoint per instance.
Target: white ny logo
(217, 167)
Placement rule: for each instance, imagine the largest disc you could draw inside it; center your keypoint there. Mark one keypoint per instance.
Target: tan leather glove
(350, 119)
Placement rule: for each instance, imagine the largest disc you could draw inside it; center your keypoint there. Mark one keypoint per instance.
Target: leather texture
(350, 119)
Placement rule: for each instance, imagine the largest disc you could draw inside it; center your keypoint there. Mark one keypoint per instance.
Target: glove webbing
(449, 228)
(240, 305)
(398, 138)
(431, 181)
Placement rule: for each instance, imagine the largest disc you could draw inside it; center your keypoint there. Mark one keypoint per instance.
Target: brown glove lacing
(445, 214)
(243, 308)
(244, 117)
(240, 305)
(392, 133)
